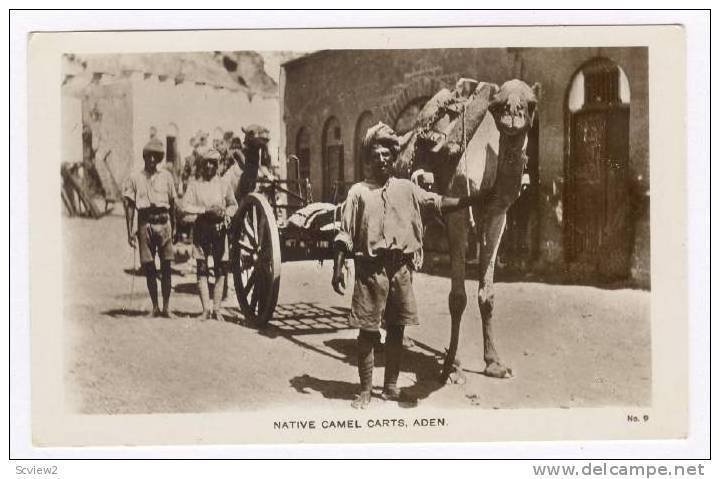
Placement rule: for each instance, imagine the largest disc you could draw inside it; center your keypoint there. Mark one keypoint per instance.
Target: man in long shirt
(152, 193)
(235, 165)
(211, 201)
(382, 227)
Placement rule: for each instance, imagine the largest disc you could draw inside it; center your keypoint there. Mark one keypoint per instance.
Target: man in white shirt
(152, 193)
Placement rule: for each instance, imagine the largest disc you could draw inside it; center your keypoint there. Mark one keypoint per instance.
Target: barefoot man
(152, 193)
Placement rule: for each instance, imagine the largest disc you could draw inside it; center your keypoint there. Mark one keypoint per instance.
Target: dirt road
(569, 346)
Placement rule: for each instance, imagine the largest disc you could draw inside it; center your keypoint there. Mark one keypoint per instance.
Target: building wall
(71, 129)
(346, 84)
(107, 111)
(121, 112)
(555, 83)
(181, 110)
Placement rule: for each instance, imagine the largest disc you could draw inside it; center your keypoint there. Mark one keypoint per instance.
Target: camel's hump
(479, 161)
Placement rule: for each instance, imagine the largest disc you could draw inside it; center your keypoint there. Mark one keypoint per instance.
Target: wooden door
(597, 201)
(333, 160)
(334, 176)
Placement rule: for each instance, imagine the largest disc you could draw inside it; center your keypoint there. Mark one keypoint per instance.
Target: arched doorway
(302, 150)
(597, 211)
(298, 167)
(333, 161)
(364, 122)
(171, 151)
(406, 118)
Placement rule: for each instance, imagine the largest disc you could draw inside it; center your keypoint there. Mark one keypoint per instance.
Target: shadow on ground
(438, 264)
(139, 313)
(186, 288)
(139, 272)
(294, 321)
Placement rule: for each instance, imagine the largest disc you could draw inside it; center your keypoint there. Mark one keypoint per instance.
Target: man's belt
(393, 257)
(154, 215)
(210, 219)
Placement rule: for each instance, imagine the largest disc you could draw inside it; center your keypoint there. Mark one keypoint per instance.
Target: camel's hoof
(496, 370)
(456, 377)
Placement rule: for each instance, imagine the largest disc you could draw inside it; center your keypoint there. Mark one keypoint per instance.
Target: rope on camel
(465, 166)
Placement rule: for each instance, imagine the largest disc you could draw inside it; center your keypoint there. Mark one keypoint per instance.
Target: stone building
(585, 213)
(112, 104)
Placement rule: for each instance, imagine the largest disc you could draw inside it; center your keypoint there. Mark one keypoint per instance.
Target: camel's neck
(511, 147)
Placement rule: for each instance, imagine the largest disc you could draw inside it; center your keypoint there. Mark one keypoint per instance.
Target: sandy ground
(569, 346)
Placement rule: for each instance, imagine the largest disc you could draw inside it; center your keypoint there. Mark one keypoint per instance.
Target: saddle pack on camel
(444, 126)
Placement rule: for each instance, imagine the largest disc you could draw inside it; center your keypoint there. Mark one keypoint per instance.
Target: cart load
(321, 219)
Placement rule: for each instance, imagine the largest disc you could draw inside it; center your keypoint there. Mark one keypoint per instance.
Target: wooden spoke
(250, 283)
(249, 271)
(245, 246)
(255, 221)
(253, 299)
(262, 234)
(249, 230)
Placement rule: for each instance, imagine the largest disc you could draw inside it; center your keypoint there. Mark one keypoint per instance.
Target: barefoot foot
(391, 393)
(362, 400)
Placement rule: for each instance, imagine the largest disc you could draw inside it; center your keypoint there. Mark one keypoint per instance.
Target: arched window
(606, 83)
(364, 122)
(406, 118)
(596, 213)
(302, 150)
(333, 160)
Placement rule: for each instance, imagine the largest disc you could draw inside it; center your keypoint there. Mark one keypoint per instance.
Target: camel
(467, 151)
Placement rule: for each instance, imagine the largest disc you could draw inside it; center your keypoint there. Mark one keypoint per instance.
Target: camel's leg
(457, 300)
(491, 234)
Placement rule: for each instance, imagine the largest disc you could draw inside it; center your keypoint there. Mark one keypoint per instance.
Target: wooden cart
(262, 239)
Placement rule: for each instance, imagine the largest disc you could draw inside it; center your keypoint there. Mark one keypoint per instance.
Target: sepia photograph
(382, 241)
(196, 250)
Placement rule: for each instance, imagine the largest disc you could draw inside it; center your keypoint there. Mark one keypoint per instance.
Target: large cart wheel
(256, 258)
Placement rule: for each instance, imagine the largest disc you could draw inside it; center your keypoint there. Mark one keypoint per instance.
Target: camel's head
(255, 146)
(256, 137)
(513, 107)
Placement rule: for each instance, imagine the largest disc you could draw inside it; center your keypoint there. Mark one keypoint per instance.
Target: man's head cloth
(380, 134)
(155, 148)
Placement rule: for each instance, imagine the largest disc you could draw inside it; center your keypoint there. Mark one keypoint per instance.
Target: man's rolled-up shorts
(210, 239)
(383, 295)
(155, 238)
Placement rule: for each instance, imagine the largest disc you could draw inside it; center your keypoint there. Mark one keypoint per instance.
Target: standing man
(199, 148)
(257, 157)
(231, 175)
(211, 203)
(152, 193)
(234, 172)
(381, 226)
